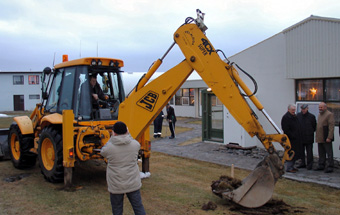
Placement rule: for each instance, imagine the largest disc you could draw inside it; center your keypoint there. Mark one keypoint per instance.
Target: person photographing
(122, 173)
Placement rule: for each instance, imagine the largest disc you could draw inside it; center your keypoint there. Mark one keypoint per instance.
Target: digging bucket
(258, 187)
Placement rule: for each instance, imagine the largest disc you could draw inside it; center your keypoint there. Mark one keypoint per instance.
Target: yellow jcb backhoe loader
(69, 126)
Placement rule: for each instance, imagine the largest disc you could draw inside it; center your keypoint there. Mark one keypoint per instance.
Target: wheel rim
(47, 154)
(15, 146)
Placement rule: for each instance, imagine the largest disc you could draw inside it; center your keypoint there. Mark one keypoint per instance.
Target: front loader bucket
(258, 187)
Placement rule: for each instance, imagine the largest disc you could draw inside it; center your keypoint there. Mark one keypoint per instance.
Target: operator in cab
(96, 91)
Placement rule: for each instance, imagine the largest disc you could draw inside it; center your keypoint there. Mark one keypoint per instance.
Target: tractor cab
(91, 87)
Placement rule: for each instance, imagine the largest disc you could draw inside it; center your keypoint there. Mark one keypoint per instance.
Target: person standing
(122, 173)
(291, 127)
(308, 127)
(324, 137)
(157, 125)
(171, 117)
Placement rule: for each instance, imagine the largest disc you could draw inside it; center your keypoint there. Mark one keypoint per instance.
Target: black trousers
(158, 124)
(308, 147)
(172, 128)
(326, 149)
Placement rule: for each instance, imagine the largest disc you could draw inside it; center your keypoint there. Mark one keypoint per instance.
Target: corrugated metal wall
(313, 48)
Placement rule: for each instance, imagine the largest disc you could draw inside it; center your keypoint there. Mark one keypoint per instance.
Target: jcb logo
(148, 101)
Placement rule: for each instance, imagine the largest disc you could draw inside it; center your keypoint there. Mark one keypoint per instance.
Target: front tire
(19, 147)
(50, 154)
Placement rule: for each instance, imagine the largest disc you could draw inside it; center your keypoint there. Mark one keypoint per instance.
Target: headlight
(111, 63)
(93, 62)
(99, 62)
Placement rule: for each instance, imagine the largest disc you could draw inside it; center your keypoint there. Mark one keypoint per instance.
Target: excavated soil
(226, 183)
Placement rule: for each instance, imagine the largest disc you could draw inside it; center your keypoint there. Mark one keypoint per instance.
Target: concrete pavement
(211, 152)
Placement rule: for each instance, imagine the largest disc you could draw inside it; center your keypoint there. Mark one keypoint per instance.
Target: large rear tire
(19, 148)
(50, 154)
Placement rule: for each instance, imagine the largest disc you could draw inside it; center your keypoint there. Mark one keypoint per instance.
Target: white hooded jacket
(122, 173)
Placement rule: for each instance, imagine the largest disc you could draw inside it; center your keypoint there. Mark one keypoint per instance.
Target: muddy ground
(274, 206)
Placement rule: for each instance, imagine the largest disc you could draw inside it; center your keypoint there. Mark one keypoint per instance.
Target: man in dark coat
(291, 127)
(308, 126)
(171, 117)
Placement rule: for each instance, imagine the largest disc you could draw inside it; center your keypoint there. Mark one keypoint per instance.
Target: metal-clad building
(313, 48)
(299, 65)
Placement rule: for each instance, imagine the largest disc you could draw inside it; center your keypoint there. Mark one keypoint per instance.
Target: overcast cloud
(137, 31)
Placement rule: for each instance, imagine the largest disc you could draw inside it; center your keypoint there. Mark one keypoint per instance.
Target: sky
(36, 33)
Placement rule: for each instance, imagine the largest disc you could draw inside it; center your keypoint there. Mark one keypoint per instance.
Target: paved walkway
(210, 152)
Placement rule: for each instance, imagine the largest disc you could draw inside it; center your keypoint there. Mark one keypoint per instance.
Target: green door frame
(208, 132)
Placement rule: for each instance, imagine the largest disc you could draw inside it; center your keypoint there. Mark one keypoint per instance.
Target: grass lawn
(176, 186)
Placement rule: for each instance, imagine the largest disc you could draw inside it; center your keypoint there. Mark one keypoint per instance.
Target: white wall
(185, 111)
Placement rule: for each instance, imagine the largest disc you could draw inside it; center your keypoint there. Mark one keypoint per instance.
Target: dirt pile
(209, 206)
(226, 184)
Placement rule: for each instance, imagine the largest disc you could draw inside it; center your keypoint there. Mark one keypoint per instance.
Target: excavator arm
(142, 106)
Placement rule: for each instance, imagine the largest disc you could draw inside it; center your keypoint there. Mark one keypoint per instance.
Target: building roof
(312, 17)
(199, 83)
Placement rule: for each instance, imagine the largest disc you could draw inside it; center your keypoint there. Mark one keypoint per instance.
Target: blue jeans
(117, 202)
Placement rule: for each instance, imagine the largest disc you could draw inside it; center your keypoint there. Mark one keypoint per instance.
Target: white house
(20, 90)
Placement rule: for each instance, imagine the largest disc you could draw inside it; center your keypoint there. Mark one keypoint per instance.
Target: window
(185, 96)
(332, 90)
(33, 79)
(309, 90)
(178, 97)
(185, 100)
(215, 101)
(171, 101)
(51, 105)
(37, 96)
(326, 90)
(66, 92)
(18, 79)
